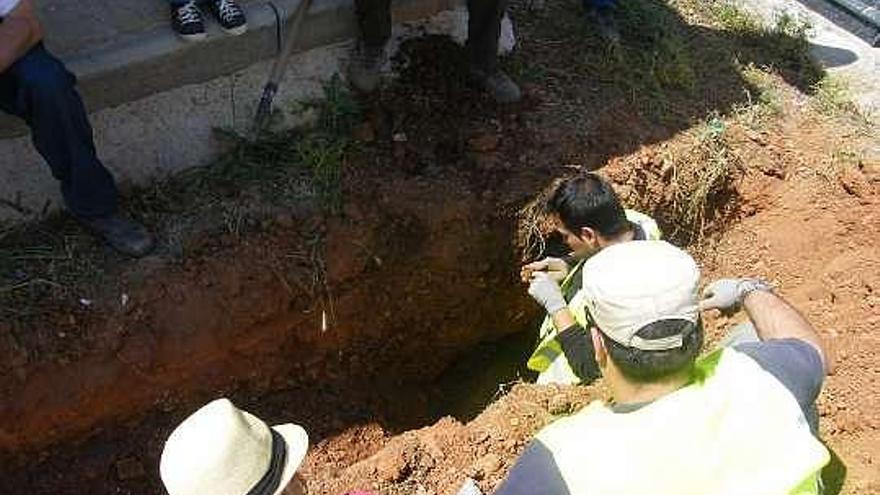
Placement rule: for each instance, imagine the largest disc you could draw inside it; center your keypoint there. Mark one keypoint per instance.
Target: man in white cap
(222, 450)
(732, 422)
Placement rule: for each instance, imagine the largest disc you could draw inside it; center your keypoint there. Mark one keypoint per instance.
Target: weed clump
(701, 178)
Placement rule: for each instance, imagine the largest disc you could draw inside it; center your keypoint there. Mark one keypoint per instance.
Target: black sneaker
(229, 15)
(499, 85)
(122, 234)
(187, 22)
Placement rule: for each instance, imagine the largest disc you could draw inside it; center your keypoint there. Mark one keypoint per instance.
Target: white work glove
(557, 268)
(728, 294)
(546, 291)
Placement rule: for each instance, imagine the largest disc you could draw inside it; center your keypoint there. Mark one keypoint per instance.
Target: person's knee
(43, 75)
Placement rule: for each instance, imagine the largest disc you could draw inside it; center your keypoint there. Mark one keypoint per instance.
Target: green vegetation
(52, 261)
(764, 101)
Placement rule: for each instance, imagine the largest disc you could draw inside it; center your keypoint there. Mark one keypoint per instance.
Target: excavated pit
(393, 312)
(386, 312)
(348, 320)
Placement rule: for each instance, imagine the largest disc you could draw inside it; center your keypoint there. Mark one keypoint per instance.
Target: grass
(764, 100)
(701, 178)
(732, 18)
(54, 262)
(832, 97)
(840, 160)
(677, 61)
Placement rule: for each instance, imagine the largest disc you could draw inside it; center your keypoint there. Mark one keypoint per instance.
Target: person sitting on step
(188, 23)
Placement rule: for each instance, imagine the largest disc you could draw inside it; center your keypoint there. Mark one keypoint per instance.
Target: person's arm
(776, 319)
(19, 32)
(563, 319)
(535, 472)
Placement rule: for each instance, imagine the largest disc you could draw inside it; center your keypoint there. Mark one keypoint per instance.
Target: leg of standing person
(374, 23)
(484, 29)
(601, 14)
(40, 90)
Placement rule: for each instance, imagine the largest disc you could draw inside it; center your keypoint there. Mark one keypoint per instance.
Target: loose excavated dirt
(420, 266)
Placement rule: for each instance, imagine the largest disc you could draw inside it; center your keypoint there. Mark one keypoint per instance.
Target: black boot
(122, 234)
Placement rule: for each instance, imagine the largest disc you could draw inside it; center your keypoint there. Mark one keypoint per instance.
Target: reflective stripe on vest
(734, 431)
(549, 348)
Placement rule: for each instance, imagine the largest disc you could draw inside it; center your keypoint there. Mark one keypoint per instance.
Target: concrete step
(125, 50)
(155, 101)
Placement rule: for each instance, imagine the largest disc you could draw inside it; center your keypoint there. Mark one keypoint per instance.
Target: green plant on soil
(658, 59)
(51, 262)
(763, 103)
(676, 61)
(840, 161)
(784, 44)
(832, 97)
(733, 18)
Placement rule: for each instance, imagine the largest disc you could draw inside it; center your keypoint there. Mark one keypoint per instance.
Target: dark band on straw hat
(270, 481)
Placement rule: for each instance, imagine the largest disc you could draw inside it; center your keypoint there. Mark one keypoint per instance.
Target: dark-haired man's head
(641, 366)
(587, 214)
(642, 298)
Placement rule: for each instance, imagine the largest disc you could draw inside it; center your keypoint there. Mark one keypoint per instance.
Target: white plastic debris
(469, 487)
(507, 40)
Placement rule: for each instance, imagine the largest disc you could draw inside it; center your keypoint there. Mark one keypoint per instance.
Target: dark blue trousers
(40, 90)
(599, 4)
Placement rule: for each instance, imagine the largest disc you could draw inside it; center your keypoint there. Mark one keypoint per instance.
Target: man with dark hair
(484, 29)
(36, 87)
(588, 215)
(732, 422)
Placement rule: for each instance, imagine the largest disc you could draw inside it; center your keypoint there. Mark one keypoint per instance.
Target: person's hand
(556, 268)
(721, 294)
(546, 291)
(728, 294)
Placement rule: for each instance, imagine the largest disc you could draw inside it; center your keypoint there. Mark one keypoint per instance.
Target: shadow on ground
(678, 63)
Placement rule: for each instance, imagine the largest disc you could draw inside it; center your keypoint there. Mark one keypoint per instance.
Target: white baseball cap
(222, 450)
(633, 284)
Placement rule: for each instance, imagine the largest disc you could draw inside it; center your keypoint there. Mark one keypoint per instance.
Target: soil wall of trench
(416, 270)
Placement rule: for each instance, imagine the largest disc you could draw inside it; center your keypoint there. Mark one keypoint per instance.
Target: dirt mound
(437, 459)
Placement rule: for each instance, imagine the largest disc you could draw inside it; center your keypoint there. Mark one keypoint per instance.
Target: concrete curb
(155, 60)
(154, 132)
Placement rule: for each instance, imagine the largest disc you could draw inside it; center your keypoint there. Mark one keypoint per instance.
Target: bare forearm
(563, 319)
(19, 32)
(776, 319)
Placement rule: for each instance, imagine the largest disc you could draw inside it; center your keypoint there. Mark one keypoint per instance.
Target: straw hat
(222, 450)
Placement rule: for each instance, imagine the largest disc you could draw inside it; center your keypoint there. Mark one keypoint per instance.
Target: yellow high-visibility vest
(735, 430)
(549, 348)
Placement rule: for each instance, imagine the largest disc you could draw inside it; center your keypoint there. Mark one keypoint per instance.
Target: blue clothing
(599, 4)
(40, 90)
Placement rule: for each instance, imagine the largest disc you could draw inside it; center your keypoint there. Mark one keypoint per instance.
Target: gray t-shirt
(795, 363)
